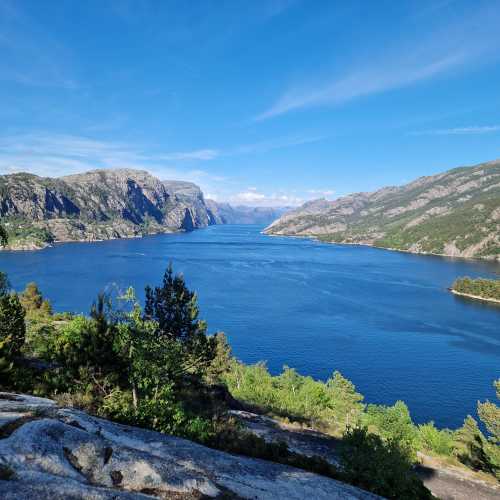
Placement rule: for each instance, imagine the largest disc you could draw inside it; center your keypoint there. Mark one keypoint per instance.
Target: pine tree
(33, 301)
(174, 308)
(12, 324)
(489, 413)
(3, 236)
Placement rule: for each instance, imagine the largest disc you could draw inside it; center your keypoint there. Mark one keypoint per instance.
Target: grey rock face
(55, 453)
(100, 204)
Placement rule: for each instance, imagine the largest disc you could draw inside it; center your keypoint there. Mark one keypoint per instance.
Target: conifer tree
(174, 309)
(3, 236)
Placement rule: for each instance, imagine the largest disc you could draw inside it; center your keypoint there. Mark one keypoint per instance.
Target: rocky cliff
(100, 204)
(52, 453)
(456, 213)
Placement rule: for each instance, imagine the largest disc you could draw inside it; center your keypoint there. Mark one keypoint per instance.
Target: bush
(469, 446)
(385, 468)
(12, 326)
(332, 404)
(394, 423)
(435, 440)
(163, 413)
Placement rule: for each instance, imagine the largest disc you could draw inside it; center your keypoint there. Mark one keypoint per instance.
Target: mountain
(456, 213)
(227, 214)
(97, 205)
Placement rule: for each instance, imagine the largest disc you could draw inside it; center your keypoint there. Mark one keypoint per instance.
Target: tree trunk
(134, 395)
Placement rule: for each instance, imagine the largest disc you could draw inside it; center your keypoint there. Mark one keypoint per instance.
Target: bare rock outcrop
(47, 452)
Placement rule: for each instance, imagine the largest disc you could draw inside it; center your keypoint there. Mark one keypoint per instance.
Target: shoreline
(370, 245)
(53, 244)
(475, 297)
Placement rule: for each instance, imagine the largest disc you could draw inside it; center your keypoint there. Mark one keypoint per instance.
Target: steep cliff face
(456, 213)
(100, 204)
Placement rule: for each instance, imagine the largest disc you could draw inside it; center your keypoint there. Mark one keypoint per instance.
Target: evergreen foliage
(487, 289)
(33, 302)
(383, 467)
(173, 308)
(12, 326)
(3, 236)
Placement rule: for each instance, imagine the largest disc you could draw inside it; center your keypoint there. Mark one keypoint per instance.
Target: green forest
(480, 287)
(155, 366)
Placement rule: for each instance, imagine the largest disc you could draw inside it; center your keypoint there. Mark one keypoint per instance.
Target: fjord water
(383, 319)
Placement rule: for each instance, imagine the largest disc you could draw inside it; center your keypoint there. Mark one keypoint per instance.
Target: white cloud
(255, 198)
(325, 193)
(471, 130)
(249, 197)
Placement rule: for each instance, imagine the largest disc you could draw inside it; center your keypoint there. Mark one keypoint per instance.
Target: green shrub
(12, 324)
(469, 445)
(383, 467)
(394, 423)
(334, 403)
(436, 440)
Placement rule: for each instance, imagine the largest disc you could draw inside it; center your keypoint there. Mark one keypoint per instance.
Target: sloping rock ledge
(48, 452)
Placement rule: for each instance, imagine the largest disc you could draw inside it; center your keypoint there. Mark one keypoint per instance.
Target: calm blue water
(384, 319)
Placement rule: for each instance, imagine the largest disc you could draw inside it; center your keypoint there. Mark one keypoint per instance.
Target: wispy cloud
(273, 144)
(58, 154)
(61, 154)
(201, 154)
(358, 84)
(472, 130)
(430, 55)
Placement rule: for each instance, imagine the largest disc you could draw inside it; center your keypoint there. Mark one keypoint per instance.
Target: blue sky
(263, 103)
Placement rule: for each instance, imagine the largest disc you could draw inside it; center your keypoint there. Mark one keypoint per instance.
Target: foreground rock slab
(47, 452)
(446, 482)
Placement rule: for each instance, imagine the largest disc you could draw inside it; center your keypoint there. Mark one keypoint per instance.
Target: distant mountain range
(227, 214)
(456, 213)
(107, 204)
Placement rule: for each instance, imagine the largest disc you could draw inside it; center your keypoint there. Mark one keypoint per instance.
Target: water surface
(384, 319)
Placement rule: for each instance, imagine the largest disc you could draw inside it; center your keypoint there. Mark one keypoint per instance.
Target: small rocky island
(478, 289)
